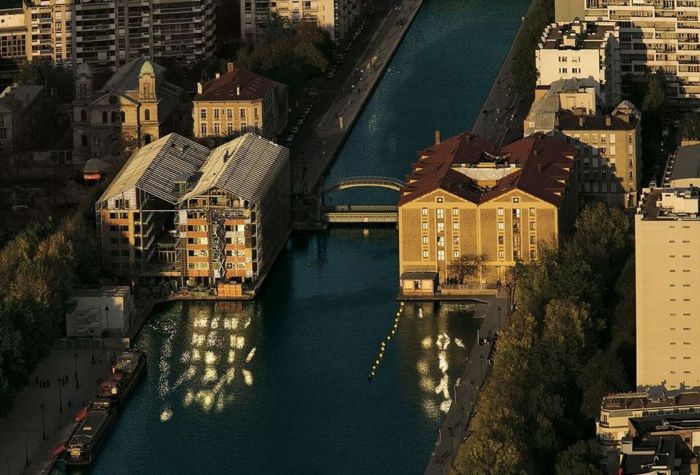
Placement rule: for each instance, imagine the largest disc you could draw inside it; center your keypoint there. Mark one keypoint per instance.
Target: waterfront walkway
(312, 159)
(505, 108)
(21, 430)
(465, 395)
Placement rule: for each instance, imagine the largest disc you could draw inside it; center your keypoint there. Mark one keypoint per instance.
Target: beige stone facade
(237, 102)
(466, 197)
(135, 107)
(667, 259)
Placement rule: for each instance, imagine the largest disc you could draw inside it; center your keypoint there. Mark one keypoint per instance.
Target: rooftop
(236, 85)
(576, 35)
(478, 171)
(658, 204)
(687, 163)
(642, 400)
(126, 78)
(24, 93)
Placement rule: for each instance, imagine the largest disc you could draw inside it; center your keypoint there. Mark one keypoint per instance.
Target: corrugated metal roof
(244, 166)
(155, 167)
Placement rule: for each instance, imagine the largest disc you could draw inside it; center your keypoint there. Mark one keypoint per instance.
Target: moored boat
(93, 430)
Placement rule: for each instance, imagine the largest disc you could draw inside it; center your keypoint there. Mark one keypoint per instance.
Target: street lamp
(499, 317)
(75, 357)
(107, 313)
(481, 367)
(60, 396)
(43, 422)
(92, 349)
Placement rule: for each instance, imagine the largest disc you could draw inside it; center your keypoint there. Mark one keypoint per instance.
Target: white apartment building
(335, 16)
(667, 260)
(584, 51)
(654, 35)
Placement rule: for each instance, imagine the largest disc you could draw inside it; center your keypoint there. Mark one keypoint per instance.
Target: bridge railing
(360, 209)
(368, 181)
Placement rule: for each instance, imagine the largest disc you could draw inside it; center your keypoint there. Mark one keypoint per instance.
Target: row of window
(230, 129)
(219, 113)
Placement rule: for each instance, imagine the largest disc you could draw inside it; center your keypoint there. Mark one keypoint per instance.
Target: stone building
(237, 102)
(180, 211)
(18, 108)
(135, 107)
(467, 196)
(585, 51)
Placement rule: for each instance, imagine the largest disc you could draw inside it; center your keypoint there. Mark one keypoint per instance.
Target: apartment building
(334, 16)
(181, 211)
(661, 35)
(18, 108)
(134, 107)
(237, 102)
(107, 34)
(667, 258)
(616, 410)
(588, 52)
(467, 196)
(13, 34)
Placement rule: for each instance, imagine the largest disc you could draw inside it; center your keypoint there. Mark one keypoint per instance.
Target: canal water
(281, 386)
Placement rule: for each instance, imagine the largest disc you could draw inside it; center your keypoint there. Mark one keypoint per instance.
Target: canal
(280, 385)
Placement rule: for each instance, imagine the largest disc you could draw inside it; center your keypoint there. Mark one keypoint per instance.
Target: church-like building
(134, 107)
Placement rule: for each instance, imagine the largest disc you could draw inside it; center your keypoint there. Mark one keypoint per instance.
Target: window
(424, 225)
(217, 129)
(425, 240)
(455, 254)
(244, 127)
(441, 241)
(440, 199)
(455, 240)
(612, 138)
(500, 212)
(424, 212)
(242, 114)
(455, 212)
(84, 140)
(229, 129)
(533, 254)
(441, 227)
(147, 114)
(501, 254)
(501, 226)
(203, 114)
(216, 113)
(532, 225)
(455, 225)
(516, 200)
(229, 114)
(83, 116)
(441, 255)
(501, 240)
(425, 254)
(532, 211)
(440, 213)
(104, 117)
(203, 129)
(613, 150)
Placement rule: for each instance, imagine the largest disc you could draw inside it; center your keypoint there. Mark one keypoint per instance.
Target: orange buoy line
(384, 343)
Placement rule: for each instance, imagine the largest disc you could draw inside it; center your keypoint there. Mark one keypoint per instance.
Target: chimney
(199, 88)
(238, 90)
(608, 121)
(217, 75)
(230, 67)
(437, 137)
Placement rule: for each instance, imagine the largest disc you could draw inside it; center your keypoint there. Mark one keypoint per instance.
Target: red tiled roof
(543, 162)
(225, 88)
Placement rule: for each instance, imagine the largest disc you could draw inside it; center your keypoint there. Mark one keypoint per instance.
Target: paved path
(505, 108)
(23, 424)
(312, 159)
(454, 426)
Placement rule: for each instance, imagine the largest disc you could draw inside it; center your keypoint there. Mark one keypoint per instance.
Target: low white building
(100, 312)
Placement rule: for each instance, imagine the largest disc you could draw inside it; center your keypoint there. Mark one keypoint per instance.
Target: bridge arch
(367, 182)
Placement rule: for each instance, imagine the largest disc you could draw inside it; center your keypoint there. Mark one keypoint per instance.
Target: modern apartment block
(617, 409)
(134, 107)
(334, 16)
(467, 196)
(181, 211)
(107, 34)
(654, 35)
(667, 259)
(584, 51)
(237, 102)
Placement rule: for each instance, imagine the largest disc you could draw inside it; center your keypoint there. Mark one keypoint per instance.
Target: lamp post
(92, 349)
(481, 367)
(107, 314)
(60, 396)
(43, 421)
(499, 317)
(75, 357)
(26, 450)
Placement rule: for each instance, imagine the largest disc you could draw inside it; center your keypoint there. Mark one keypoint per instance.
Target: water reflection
(212, 361)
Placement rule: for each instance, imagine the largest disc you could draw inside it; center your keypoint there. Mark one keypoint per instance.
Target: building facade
(334, 16)
(100, 312)
(584, 51)
(18, 108)
(134, 107)
(653, 36)
(466, 196)
(667, 257)
(107, 34)
(237, 102)
(181, 211)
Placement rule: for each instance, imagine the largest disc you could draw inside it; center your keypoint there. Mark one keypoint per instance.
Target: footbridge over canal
(362, 214)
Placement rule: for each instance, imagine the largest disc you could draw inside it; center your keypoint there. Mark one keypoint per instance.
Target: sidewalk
(501, 117)
(454, 426)
(21, 429)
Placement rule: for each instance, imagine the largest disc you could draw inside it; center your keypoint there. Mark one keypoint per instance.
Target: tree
(582, 458)
(466, 265)
(691, 126)
(655, 94)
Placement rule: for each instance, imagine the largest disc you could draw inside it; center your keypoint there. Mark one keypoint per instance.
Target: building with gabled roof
(181, 211)
(18, 108)
(239, 101)
(466, 196)
(134, 107)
